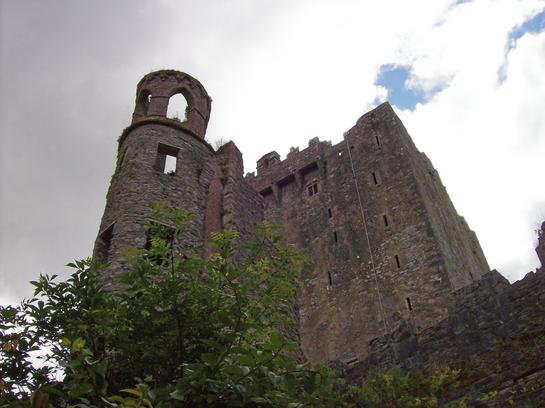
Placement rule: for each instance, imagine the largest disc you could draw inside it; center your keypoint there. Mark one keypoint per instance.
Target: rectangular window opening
(377, 140)
(385, 218)
(409, 305)
(329, 214)
(397, 261)
(166, 159)
(104, 244)
(310, 191)
(330, 279)
(335, 238)
(375, 180)
(313, 189)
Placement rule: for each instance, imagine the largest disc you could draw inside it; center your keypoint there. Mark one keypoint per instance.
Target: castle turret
(159, 159)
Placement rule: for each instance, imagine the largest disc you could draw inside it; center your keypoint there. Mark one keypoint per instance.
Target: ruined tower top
(155, 90)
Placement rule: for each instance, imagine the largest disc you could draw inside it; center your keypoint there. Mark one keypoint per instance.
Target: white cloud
(487, 137)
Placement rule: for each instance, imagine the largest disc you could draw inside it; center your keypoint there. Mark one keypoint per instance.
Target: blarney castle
(394, 275)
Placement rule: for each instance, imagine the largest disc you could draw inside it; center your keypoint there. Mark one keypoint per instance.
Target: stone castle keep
(386, 248)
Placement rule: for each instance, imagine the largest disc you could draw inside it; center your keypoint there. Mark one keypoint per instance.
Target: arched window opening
(177, 107)
(143, 103)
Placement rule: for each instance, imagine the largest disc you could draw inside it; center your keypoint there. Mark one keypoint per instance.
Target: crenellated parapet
(274, 174)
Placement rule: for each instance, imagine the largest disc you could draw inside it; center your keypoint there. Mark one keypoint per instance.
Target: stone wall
(495, 333)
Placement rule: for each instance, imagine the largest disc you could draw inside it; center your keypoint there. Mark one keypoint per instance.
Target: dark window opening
(104, 243)
(329, 214)
(166, 159)
(409, 305)
(397, 261)
(266, 192)
(375, 180)
(335, 238)
(351, 147)
(313, 189)
(142, 104)
(330, 279)
(385, 218)
(377, 140)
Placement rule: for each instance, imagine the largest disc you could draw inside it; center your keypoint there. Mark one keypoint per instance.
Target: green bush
(183, 332)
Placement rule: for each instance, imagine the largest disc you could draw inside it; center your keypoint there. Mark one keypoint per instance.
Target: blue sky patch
(394, 79)
(534, 25)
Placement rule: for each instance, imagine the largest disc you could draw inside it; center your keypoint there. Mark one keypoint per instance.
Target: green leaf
(178, 395)
(132, 391)
(80, 389)
(209, 359)
(78, 344)
(233, 370)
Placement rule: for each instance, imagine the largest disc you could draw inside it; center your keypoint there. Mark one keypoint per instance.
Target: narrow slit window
(104, 244)
(397, 261)
(377, 140)
(315, 188)
(335, 237)
(329, 214)
(385, 218)
(330, 279)
(166, 159)
(375, 179)
(409, 305)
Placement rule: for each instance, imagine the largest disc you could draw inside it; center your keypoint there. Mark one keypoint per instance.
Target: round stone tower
(159, 159)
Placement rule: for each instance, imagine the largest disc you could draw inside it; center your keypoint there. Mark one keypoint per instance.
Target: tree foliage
(182, 332)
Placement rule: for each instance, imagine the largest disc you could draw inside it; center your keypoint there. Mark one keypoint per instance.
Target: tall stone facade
(383, 241)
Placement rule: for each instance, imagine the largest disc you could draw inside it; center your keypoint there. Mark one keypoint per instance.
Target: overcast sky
(467, 78)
